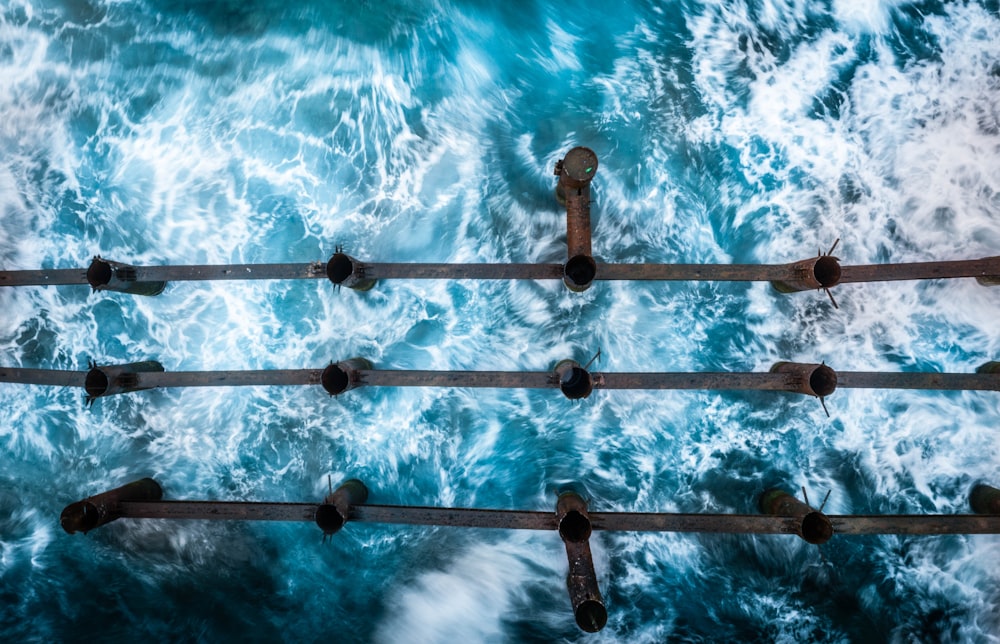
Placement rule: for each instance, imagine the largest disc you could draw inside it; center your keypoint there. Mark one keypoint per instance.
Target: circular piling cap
(823, 381)
(579, 272)
(335, 379)
(826, 270)
(816, 528)
(81, 516)
(576, 383)
(591, 615)
(579, 166)
(97, 383)
(329, 519)
(99, 273)
(984, 499)
(339, 268)
(575, 527)
(990, 367)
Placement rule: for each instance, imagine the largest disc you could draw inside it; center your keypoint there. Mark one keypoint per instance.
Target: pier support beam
(985, 499)
(106, 275)
(344, 375)
(117, 379)
(584, 594)
(575, 172)
(813, 526)
(344, 270)
(335, 510)
(83, 516)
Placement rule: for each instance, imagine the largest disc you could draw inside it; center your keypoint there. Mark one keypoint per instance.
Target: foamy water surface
(183, 132)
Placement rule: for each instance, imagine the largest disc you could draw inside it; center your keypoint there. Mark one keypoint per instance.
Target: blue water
(187, 132)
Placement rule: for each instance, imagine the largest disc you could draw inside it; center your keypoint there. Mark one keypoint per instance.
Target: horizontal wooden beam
(985, 267)
(535, 520)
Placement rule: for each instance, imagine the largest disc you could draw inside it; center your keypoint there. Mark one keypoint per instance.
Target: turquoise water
(226, 132)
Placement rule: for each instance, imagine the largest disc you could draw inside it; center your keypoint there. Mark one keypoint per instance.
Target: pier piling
(344, 375)
(985, 499)
(810, 379)
(574, 381)
(990, 367)
(584, 594)
(344, 270)
(106, 275)
(83, 516)
(575, 173)
(117, 379)
(822, 272)
(812, 525)
(335, 510)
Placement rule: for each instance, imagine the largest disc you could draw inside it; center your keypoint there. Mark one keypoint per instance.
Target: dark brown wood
(933, 381)
(464, 271)
(695, 272)
(521, 379)
(535, 520)
(50, 377)
(287, 377)
(705, 380)
(52, 277)
(496, 379)
(985, 267)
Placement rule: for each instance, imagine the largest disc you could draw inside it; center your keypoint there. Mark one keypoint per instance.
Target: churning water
(746, 131)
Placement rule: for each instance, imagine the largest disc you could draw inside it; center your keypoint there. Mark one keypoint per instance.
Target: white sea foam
(481, 588)
(410, 152)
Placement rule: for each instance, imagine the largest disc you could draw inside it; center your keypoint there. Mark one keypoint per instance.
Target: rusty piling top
(577, 168)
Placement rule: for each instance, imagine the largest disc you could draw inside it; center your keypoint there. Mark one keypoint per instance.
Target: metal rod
(520, 380)
(706, 380)
(693, 272)
(985, 267)
(43, 377)
(291, 377)
(535, 520)
(939, 381)
(465, 271)
(43, 277)
(980, 268)
(496, 379)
